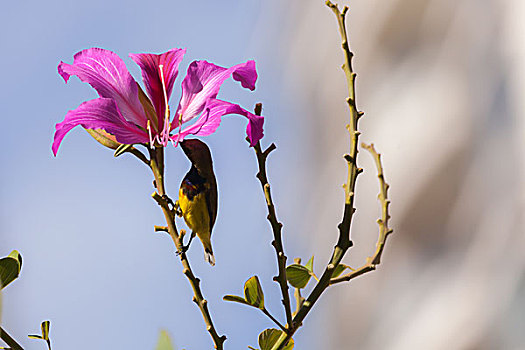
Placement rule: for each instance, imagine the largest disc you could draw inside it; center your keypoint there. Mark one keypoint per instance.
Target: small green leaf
(253, 292)
(16, 255)
(45, 329)
(252, 348)
(45, 333)
(236, 299)
(164, 342)
(122, 149)
(10, 268)
(298, 275)
(339, 270)
(269, 337)
(310, 264)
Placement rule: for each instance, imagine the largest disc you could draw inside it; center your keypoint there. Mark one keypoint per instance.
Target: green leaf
(164, 342)
(16, 255)
(253, 292)
(235, 298)
(10, 268)
(45, 329)
(310, 264)
(122, 149)
(298, 275)
(269, 337)
(339, 270)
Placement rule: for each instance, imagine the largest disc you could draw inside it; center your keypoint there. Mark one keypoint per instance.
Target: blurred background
(442, 85)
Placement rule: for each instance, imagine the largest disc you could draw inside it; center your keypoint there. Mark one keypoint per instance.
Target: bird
(198, 195)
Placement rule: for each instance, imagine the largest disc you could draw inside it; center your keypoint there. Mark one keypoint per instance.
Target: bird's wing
(211, 200)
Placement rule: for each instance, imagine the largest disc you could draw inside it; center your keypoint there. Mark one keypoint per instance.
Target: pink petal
(203, 81)
(210, 120)
(107, 73)
(149, 64)
(100, 113)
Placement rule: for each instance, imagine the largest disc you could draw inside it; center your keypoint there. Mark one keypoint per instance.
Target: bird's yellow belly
(195, 213)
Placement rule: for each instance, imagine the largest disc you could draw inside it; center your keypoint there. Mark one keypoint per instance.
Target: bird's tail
(208, 251)
(208, 256)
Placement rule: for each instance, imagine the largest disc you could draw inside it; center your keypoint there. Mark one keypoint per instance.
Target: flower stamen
(150, 135)
(165, 130)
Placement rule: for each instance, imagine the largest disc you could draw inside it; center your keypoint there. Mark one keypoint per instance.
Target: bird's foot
(178, 210)
(185, 248)
(182, 249)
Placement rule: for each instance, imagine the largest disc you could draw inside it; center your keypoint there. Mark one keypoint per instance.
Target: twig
(276, 225)
(267, 313)
(353, 170)
(160, 228)
(384, 230)
(344, 242)
(139, 155)
(299, 300)
(297, 293)
(157, 166)
(9, 341)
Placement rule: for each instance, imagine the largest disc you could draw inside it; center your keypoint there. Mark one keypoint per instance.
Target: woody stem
(9, 341)
(275, 224)
(344, 242)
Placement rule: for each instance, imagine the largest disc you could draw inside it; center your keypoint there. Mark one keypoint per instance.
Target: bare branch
(344, 242)
(384, 230)
(276, 225)
(9, 341)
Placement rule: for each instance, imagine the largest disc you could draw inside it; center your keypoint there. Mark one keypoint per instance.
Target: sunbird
(198, 195)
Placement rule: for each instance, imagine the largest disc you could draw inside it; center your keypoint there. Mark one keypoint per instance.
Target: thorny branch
(276, 225)
(384, 230)
(344, 242)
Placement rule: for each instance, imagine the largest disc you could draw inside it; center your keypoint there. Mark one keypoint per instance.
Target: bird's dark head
(199, 155)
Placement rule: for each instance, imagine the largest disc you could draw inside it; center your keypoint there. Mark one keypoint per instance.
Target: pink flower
(124, 111)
